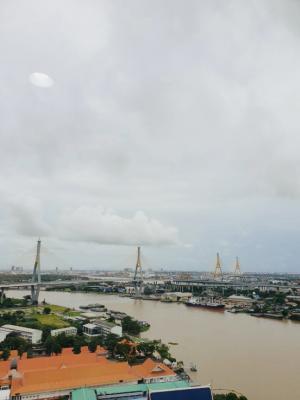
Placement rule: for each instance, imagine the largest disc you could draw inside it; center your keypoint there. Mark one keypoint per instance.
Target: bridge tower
(218, 270)
(36, 276)
(237, 269)
(138, 274)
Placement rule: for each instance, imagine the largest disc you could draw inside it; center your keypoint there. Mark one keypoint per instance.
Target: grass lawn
(52, 320)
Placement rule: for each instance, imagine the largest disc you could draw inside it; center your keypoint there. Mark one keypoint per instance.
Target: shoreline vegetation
(264, 305)
(130, 347)
(46, 317)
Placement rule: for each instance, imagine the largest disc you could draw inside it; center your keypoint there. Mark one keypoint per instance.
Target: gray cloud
(186, 112)
(105, 227)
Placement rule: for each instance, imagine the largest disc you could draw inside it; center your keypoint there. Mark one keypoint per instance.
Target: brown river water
(257, 357)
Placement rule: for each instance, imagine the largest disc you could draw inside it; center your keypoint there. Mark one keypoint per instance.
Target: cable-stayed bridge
(36, 283)
(176, 283)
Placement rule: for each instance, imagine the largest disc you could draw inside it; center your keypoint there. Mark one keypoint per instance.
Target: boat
(98, 309)
(95, 305)
(206, 303)
(193, 368)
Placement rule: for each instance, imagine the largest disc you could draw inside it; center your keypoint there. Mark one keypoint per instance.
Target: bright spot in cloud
(41, 80)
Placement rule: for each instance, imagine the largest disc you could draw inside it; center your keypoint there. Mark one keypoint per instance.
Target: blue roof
(192, 393)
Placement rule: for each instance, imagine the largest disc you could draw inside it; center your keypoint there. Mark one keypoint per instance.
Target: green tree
(56, 348)
(21, 349)
(46, 310)
(29, 352)
(76, 348)
(49, 345)
(163, 350)
(46, 331)
(148, 290)
(92, 345)
(5, 354)
(131, 326)
(232, 396)
(110, 341)
(123, 349)
(147, 348)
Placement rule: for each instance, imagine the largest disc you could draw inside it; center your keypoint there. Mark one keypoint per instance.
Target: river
(258, 357)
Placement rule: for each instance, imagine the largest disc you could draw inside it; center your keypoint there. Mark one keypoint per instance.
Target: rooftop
(71, 371)
(92, 394)
(20, 328)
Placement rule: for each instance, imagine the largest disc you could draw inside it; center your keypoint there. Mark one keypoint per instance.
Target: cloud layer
(181, 118)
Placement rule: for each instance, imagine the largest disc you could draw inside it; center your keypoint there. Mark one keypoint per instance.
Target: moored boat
(206, 303)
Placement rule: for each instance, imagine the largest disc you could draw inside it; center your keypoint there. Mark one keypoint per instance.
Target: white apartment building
(101, 328)
(32, 335)
(68, 331)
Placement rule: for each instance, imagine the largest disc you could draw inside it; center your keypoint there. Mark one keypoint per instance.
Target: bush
(131, 326)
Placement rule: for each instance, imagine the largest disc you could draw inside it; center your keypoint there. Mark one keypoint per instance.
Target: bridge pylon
(237, 268)
(218, 270)
(36, 276)
(138, 275)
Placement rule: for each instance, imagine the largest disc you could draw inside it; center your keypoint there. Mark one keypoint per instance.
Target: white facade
(101, 328)
(69, 331)
(32, 335)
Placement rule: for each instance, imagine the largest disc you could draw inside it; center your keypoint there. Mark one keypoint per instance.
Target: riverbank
(230, 350)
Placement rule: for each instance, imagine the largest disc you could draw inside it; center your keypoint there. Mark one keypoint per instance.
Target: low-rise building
(68, 331)
(241, 301)
(99, 327)
(56, 376)
(32, 335)
(142, 391)
(176, 296)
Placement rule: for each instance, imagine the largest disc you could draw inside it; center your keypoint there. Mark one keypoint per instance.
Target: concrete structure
(36, 276)
(55, 377)
(99, 327)
(241, 301)
(176, 296)
(138, 275)
(117, 316)
(69, 331)
(32, 335)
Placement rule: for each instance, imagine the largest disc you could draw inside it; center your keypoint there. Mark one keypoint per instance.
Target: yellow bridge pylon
(237, 269)
(218, 270)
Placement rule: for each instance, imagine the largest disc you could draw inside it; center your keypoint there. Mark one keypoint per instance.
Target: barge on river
(205, 303)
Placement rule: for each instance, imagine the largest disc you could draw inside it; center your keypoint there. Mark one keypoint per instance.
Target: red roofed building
(55, 376)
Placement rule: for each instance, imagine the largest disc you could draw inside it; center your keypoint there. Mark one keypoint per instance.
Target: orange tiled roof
(68, 371)
(151, 369)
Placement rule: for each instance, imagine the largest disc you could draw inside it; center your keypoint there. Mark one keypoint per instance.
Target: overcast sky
(171, 124)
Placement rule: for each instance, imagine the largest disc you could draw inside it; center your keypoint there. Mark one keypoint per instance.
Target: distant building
(32, 335)
(176, 296)
(69, 331)
(104, 328)
(242, 301)
(130, 289)
(117, 316)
